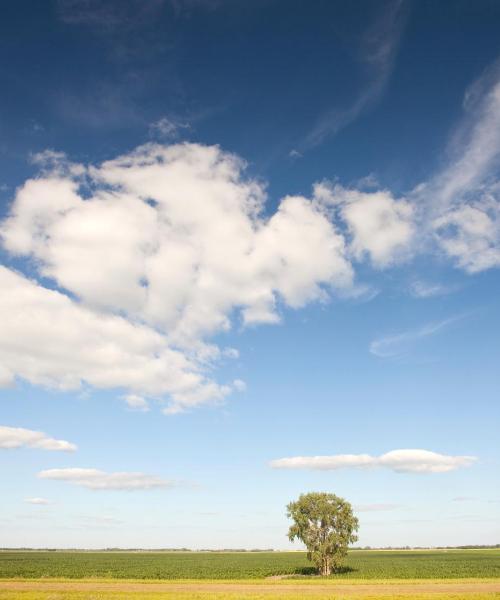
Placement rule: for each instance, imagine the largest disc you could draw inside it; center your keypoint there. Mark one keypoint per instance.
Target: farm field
(472, 589)
(365, 565)
(369, 575)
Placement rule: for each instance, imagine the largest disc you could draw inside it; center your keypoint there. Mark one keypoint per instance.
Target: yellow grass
(50, 589)
(72, 595)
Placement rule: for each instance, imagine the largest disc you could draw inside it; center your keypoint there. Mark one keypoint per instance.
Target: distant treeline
(466, 547)
(137, 550)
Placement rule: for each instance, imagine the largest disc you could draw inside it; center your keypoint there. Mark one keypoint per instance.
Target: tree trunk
(325, 568)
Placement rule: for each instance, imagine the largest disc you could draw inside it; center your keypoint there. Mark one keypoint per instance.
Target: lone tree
(326, 525)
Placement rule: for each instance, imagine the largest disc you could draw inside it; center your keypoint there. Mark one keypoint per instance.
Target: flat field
(369, 575)
(39, 589)
(372, 564)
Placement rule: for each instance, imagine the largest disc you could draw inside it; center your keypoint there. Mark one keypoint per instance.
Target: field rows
(369, 565)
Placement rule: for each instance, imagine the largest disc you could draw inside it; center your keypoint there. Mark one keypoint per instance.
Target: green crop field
(435, 564)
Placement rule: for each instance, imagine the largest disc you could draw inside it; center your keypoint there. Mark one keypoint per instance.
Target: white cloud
(361, 293)
(18, 437)
(423, 461)
(476, 145)
(367, 182)
(162, 248)
(463, 199)
(95, 479)
(239, 385)
(470, 234)
(53, 341)
(38, 501)
(191, 243)
(167, 129)
(456, 212)
(379, 225)
(153, 253)
(425, 289)
(400, 461)
(136, 402)
(400, 343)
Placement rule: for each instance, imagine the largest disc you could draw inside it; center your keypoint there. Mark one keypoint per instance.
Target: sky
(248, 250)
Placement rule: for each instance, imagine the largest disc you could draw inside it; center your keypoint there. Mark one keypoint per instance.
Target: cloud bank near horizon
(95, 479)
(399, 461)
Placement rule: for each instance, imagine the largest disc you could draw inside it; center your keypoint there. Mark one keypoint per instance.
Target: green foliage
(326, 525)
(365, 564)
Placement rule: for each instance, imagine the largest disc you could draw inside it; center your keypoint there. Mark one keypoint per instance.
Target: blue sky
(249, 250)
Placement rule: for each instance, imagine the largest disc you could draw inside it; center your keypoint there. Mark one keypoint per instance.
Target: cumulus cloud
(153, 252)
(136, 402)
(175, 236)
(95, 479)
(456, 212)
(38, 501)
(18, 437)
(399, 461)
(52, 341)
(379, 226)
(143, 259)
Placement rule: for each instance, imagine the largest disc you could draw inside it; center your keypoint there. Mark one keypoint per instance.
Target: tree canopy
(325, 523)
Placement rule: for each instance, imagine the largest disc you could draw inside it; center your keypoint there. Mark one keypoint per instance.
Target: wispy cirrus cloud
(110, 16)
(399, 461)
(166, 128)
(378, 47)
(461, 203)
(474, 148)
(18, 437)
(94, 479)
(396, 345)
(425, 289)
